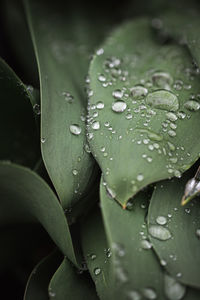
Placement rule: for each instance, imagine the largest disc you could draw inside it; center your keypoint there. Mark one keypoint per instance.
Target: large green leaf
(139, 125)
(97, 254)
(135, 268)
(17, 126)
(63, 43)
(181, 251)
(67, 283)
(26, 197)
(37, 285)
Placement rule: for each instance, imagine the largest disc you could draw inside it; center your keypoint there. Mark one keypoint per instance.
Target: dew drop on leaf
(173, 289)
(75, 129)
(161, 220)
(163, 99)
(149, 293)
(119, 106)
(192, 105)
(97, 271)
(138, 92)
(162, 80)
(159, 232)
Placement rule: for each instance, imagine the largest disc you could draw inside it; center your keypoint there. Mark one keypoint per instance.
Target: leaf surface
(140, 123)
(62, 52)
(181, 251)
(67, 283)
(25, 197)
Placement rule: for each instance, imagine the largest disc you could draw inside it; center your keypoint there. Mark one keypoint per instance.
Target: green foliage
(100, 119)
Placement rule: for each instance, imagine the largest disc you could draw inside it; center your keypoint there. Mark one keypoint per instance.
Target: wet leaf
(37, 285)
(181, 251)
(62, 57)
(67, 283)
(18, 134)
(28, 198)
(135, 268)
(97, 253)
(140, 124)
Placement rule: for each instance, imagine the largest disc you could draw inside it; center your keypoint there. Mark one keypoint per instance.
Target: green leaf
(37, 285)
(67, 283)
(97, 253)
(184, 27)
(25, 197)
(181, 251)
(62, 53)
(135, 267)
(144, 132)
(18, 131)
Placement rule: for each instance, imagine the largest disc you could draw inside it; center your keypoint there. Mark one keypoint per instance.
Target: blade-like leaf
(18, 131)
(134, 265)
(37, 285)
(67, 283)
(181, 251)
(140, 122)
(97, 254)
(63, 42)
(26, 197)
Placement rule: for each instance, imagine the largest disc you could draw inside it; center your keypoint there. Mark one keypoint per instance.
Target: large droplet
(192, 105)
(173, 289)
(163, 99)
(149, 293)
(145, 244)
(118, 94)
(133, 295)
(96, 125)
(138, 92)
(100, 105)
(159, 232)
(161, 220)
(75, 129)
(171, 116)
(119, 106)
(162, 80)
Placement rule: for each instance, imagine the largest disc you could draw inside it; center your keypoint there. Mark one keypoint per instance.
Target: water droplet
(100, 51)
(171, 146)
(140, 177)
(129, 116)
(173, 289)
(138, 92)
(162, 80)
(181, 115)
(149, 293)
(100, 105)
(163, 262)
(171, 116)
(163, 99)
(68, 97)
(75, 172)
(118, 94)
(43, 140)
(51, 293)
(119, 106)
(87, 148)
(93, 256)
(133, 295)
(96, 125)
(198, 233)
(159, 232)
(97, 271)
(110, 192)
(145, 244)
(161, 220)
(36, 109)
(172, 133)
(154, 136)
(102, 78)
(192, 105)
(75, 129)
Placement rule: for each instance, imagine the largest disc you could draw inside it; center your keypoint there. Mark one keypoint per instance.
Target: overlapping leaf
(142, 112)
(26, 197)
(63, 42)
(181, 249)
(67, 283)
